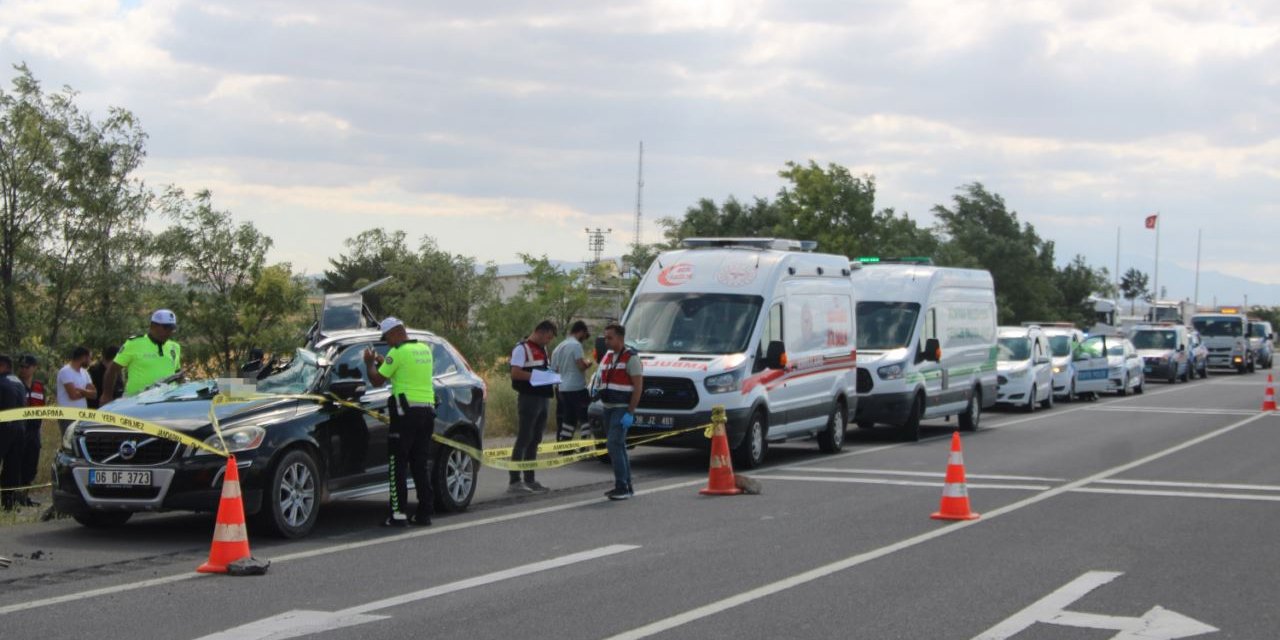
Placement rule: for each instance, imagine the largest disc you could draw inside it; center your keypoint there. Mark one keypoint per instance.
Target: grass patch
(50, 440)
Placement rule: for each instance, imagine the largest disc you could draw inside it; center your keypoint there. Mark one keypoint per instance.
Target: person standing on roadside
(571, 397)
(408, 365)
(12, 434)
(532, 403)
(146, 359)
(75, 386)
(621, 384)
(37, 396)
(98, 370)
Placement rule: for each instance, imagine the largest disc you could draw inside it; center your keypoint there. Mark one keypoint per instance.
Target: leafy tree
(1075, 283)
(369, 257)
(759, 218)
(1133, 285)
(981, 229)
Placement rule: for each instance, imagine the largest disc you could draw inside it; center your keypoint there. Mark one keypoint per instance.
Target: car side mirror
(776, 355)
(932, 350)
(350, 390)
(1182, 347)
(1043, 360)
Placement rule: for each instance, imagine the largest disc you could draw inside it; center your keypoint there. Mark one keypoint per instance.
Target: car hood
(1156, 353)
(190, 413)
(1010, 366)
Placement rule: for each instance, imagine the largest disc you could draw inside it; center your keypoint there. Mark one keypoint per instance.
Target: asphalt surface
(1167, 501)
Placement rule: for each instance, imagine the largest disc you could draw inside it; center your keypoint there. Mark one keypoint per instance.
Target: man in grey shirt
(571, 398)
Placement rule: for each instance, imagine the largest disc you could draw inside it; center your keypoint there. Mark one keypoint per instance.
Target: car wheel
(1048, 400)
(750, 452)
(1124, 386)
(291, 503)
(1138, 388)
(1173, 375)
(103, 519)
(1030, 407)
(831, 440)
(1186, 375)
(454, 476)
(1253, 365)
(911, 428)
(1071, 392)
(972, 416)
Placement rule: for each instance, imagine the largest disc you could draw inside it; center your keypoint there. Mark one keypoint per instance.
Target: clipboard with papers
(542, 378)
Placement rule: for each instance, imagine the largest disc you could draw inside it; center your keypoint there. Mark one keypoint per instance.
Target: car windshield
(1258, 330)
(1093, 347)
(299, 376)
(1060, 346)
(1013, 349)
(1217, 327)
(702, 323)
(1155, 340)
(886, 325)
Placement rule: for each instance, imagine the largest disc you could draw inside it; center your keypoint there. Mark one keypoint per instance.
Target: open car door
(1090, 359)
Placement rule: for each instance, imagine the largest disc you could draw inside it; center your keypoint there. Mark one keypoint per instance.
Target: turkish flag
(1151, 221)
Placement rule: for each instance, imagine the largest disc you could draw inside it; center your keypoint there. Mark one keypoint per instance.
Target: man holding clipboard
(534, 382)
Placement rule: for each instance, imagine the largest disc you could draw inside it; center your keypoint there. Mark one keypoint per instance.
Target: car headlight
(1018, 373)
(69, 439)
(891, 371)
(724, 382)
(1057, 370)
(238, 439)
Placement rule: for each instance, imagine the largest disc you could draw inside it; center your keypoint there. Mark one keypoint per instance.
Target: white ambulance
(926, 343)
(762, 326)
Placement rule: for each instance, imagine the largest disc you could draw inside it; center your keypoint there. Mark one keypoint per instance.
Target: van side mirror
(1043, 360)
(350, 390)
(932, 350)
(1181, 348)
(776, 355)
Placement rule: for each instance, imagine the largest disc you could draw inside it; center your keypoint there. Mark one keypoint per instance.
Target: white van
(1025, 363)
(761, 326)
(926, 344)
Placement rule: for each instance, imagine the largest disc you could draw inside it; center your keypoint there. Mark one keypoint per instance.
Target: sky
(504, 127)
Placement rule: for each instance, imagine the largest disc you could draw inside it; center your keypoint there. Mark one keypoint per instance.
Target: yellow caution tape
(501, 458)
(110, 419)
(29, 487)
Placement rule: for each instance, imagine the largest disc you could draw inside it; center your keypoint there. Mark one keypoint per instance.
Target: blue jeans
(616, 443)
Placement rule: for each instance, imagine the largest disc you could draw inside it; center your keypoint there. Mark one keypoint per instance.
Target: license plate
(119, 478)
(665, 422)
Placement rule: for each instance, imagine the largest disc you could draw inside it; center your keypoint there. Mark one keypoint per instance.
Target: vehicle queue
(791, 343)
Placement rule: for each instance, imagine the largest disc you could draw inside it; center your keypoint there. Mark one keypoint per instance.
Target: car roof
(349, 336)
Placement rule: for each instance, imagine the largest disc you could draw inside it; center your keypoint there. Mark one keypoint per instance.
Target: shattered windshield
(299, 376)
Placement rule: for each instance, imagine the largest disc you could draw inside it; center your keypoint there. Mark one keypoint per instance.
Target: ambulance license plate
(119, 478)
(661, 422)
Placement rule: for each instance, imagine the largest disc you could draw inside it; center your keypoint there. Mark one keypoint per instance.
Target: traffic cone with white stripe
(955, 497)
(720, 480)
(230, 536)
(1269, 398)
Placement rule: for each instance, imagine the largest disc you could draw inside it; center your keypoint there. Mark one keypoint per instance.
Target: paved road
(1150, 516)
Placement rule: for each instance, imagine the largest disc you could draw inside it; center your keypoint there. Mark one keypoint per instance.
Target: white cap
(164, 316)
(389, 323)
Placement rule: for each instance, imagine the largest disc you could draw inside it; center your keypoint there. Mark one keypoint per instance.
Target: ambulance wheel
(102, 519)
(831, 440)
(911, 428)
(750, 452)
(972, 416)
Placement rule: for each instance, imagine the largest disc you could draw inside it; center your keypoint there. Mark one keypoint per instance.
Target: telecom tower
(639, 195)
(595, 242)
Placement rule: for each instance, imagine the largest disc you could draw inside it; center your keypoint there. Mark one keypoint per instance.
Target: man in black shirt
(13, 395)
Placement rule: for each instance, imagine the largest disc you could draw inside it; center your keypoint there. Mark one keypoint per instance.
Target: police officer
(408, 366)
(532, 403)
(146, 359)
(35, 393)
(621, 385)
(12, 434)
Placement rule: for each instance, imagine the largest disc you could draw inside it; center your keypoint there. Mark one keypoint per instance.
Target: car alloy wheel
(297, 494)
(459, 476)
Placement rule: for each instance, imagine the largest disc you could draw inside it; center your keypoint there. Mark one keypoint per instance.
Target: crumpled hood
(190, 413)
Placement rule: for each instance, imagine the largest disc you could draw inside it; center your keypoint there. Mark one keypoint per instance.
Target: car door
(1042, 362)
(935, 376)
(781, 399)
(355, 440)
(1090, 359)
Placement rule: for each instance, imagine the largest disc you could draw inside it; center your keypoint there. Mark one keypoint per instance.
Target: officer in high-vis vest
(408, 365)
(532, 402)
(620, 386)
(146, 359)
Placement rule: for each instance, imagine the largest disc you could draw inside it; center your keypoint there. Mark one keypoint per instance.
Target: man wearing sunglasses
(146, 359)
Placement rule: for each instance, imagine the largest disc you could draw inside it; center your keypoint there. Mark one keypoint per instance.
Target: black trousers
(409, 452)
(531, 415)
(31, 453)
(571, 413)
(12, 441)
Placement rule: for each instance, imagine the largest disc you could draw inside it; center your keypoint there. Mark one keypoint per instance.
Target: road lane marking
(927, 474)
(1179, 494)
(907, 483)
(1156, 624)
(1194, 485)
(1178, 410)
(293, 624)
(816, 573)
(338, 548)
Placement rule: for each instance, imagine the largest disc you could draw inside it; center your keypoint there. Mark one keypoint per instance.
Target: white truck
(926, 344)
(762, 326)
(1226, 334)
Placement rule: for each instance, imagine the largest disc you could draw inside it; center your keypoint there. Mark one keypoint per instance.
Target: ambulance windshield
(701, 323)
(886, 325)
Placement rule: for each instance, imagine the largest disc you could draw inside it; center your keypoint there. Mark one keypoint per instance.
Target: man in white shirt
(571, 398)
(75, 388)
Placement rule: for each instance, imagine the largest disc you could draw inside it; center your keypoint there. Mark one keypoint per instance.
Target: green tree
(1133, 285)
(369, 257)
(983, 233)
(1075, 282)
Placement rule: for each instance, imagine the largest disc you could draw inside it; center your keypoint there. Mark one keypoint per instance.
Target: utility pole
(639, 196)
(595, 243)
(1199, 233)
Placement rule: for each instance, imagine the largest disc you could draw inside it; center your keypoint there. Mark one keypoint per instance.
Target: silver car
(1124, 365)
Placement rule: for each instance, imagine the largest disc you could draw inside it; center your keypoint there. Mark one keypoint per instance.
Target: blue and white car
(1124, 365)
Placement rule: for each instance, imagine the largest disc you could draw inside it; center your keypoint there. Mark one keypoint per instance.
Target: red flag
(1151, 221)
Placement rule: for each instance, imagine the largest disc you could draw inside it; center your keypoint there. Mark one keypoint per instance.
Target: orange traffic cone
(720, 480)
(1269, 398)
(230, 537)
(955, 497)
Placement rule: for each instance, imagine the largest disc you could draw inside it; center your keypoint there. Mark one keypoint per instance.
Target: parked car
(1124, 365)
(293, 455)
(1064, 339)
(1164, 351)
(1198, 354)
(1226, 334)
(926, 336)
(1024, 367)
(1261, 340)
